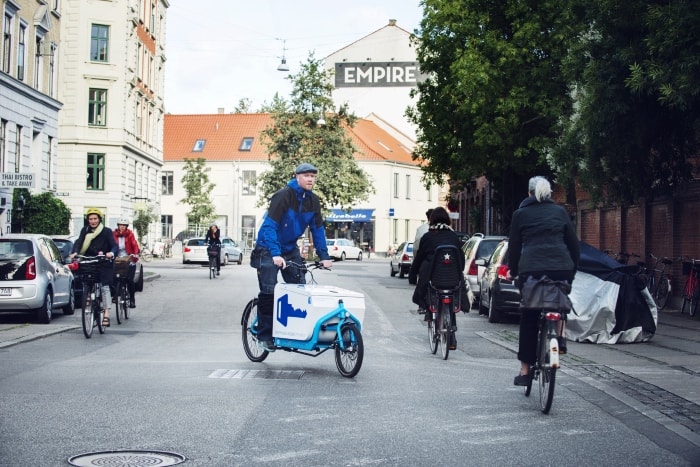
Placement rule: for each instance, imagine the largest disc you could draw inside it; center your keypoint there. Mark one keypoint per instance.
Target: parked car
(195, 251)
(400, 262)
(498, 295)
(477, 247)
(34, 277)
(65, 245)
(342, 249)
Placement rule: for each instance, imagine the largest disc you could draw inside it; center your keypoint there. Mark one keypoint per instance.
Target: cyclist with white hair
(129, 251)
(542, 242)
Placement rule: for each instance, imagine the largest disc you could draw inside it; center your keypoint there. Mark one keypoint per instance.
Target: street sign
(391, 212)
(17, 180)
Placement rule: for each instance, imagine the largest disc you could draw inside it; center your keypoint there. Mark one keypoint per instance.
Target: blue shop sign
(355, 215)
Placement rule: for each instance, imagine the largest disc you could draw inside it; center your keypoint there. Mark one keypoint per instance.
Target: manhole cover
(129, 458)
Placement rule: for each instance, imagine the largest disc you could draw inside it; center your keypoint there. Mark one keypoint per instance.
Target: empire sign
(383, 74)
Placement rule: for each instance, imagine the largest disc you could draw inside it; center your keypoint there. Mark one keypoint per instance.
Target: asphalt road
(174, 378)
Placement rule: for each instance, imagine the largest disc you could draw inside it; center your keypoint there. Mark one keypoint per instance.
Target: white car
(195, 251)
(342, 248)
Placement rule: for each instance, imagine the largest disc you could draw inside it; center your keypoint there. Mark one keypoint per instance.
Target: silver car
(195, 251)
(34, 277)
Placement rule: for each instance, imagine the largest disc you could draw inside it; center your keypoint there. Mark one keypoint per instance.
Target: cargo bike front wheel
(249, 335)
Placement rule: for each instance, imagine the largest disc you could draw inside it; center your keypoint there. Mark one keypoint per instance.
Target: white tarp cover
(611, 306)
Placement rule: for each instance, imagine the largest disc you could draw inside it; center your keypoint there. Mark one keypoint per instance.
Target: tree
(296, 136)
(143, 219)
(244, 106)
(42, 213)
(198, 190)
(636, 82)
(495, 95)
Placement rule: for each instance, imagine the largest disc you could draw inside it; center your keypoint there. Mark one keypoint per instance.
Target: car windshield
(486, 248)
(195, 242)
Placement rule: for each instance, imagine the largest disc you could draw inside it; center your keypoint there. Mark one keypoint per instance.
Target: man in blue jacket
(292, 209)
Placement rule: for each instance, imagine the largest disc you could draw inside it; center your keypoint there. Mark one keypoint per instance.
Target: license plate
(5, 291)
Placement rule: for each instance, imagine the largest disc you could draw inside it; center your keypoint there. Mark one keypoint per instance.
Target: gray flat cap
(306, 168)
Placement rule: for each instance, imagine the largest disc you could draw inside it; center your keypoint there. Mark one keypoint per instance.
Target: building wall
(131, 138)
(28, 105)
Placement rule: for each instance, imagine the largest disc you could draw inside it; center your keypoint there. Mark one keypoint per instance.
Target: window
(408, 187)
(21, 51)
(248, 187)
(99, 43)
(199, 145)
(3, 143)
(6, 42)
(407, 230)
(246, 144)
(95, 171)
(396, 185)
(166, 222)
(167, 183)
(38, 62)
(18, 148)
(97, 107)
(53, 76)
(49, 165)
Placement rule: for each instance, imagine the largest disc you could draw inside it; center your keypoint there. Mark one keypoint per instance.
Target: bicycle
(123, 297)
(213, 251)
(660, 289)
(145, 254)
(691, 290)
(552, 315)
(311, 327)
(93, 308)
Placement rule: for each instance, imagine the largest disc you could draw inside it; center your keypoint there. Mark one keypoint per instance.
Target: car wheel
(494, 314)
(342, 256)
(224, 262)
(359, 256)
(69, 308)
(240, 259)
(44, 312)
(183, 261)
(391, 271)
(139, 283)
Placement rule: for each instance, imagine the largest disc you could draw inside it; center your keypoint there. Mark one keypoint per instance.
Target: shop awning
(355, 215)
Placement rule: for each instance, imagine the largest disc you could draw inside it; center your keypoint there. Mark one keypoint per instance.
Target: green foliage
(296, 136)
(198, 190)
(42, 213)
(143, 219)
(494, 96)
(244, 106)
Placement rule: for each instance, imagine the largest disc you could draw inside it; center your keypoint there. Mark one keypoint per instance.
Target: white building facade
(111, 127)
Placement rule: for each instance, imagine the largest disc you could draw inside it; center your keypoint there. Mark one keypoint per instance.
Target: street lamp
(283, 65)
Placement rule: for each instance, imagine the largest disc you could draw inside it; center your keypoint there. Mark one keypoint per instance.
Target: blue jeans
(261, 260)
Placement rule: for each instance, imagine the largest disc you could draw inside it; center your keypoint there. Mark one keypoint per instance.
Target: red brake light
(502, 271)
(187, 249)
(404, 257)
(31, 268)
(473, 269)
(551, 316)
(73, 265)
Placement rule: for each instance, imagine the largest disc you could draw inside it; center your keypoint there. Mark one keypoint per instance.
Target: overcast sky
(221, 51)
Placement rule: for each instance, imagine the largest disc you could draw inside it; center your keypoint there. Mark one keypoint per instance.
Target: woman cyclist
(96, 239)
(129, 250)
(213, 239)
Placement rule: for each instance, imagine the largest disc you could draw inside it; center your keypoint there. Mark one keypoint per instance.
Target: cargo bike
(311, 319)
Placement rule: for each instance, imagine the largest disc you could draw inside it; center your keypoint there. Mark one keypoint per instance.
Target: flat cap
(306, 168)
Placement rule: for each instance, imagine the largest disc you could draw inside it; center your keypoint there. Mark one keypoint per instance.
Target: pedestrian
(542, 242)
(128, 251)
(96, 239)
(213, 241)
(291, 211)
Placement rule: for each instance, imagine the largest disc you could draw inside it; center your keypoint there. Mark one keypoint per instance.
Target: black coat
(542, 238)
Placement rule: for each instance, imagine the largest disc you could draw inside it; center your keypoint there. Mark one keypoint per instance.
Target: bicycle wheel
(212, 268)
(348, 359)
(433, 336)
(663, 292)
(443, 320)
(88, 316)
(146, 255)
(547, 374)
(250, 340)
(120, 300)
(127, 300)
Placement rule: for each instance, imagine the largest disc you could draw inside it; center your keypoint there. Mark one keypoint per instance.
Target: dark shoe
(521, 380)
(562, 345)
(453, 342)
(132, 303)
(105, 322)
(218, 273)
(421, 311)
(428, 317)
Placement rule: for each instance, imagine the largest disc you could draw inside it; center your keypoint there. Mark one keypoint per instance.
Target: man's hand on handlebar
(279, 262)
(326, 263)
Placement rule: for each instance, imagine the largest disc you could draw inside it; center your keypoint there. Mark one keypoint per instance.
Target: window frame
(97, 107)
(246, 143)
(167, 178)
(95, 171)
(99, 43)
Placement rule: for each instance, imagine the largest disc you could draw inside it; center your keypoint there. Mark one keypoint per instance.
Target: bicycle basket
(688, 265)
(213, 251)
(121, 267)
(89, 271)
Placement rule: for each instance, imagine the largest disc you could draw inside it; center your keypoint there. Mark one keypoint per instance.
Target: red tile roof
(223, 134)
